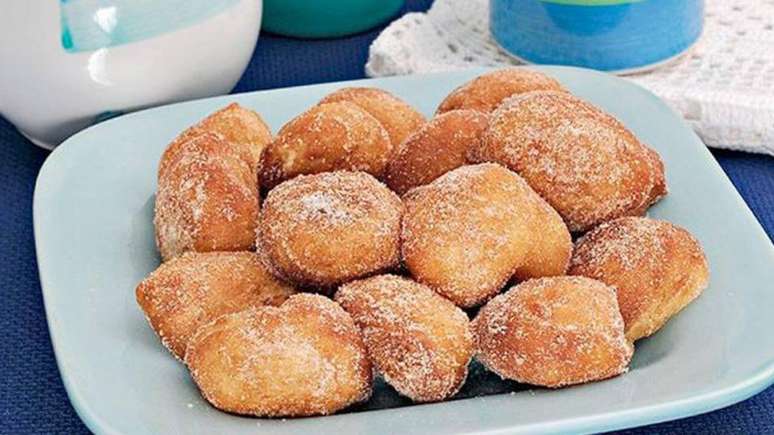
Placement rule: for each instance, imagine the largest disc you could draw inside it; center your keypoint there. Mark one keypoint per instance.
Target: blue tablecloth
(32, 397)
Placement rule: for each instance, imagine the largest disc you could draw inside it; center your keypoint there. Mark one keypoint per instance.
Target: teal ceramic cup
(326, 18)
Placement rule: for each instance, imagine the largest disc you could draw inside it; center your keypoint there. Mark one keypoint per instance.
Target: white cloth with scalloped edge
(724, 86)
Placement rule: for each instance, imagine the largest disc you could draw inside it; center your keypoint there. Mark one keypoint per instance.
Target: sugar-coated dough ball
(303, 358)
(467, 232)
(419, 341)
(584, 162)
(194, 289)
(244, 130)
(657, 267)
(325, 229)
(397, 116)
(551, 242)
(327, 137)
(207, 198)
(553, 332)
(439, 146)
(486, 92)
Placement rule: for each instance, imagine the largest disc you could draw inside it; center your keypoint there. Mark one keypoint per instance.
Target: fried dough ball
(207, 198)
(657, 267)
(418, 340)
(584, 162)
(467, 232)
(486, 92)
(327, 137)
(303, 358)
(553, 332)
(551, 243)
(196, 288)
(435, 149)
(242, 128)
(397, 116)
(325, 229)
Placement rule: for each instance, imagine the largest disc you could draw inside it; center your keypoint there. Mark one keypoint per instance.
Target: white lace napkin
(724, 86)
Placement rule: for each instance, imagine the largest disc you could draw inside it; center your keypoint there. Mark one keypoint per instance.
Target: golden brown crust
(466, 233)
(660, 189)
(418, 340)
(584, 162)
(439, 146)
(327, 137)
(193, 289)
(550, 240)
(397, 116)
(657, 267)
(553, 332)
(243, 129)
(207, 199)
(325, 229)
(486, 92)
(304, 358)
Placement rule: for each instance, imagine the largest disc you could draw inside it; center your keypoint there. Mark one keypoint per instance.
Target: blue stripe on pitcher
(608, 35)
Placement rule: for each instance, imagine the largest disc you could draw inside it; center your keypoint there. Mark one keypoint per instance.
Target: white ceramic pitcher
(65, 64)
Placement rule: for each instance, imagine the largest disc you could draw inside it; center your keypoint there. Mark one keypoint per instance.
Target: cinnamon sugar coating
(207, 199)
(303, 358)
(436, 148)
(325, 229)
(395, 115)
(193, 289)
(419, 341)
(584, 162)
(327, 137)
(487, 91)
(465, 234)
(483, 194)
(243, 129)
(658, 268)
(553, 332)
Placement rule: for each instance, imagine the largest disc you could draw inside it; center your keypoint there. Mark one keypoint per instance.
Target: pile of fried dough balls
(358, 241)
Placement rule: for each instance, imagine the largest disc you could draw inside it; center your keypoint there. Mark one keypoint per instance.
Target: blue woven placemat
(32, 397)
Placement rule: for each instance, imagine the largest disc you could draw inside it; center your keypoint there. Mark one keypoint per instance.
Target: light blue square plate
(93, 228)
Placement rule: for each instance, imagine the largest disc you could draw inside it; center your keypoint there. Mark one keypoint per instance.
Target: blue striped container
(609, 35)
